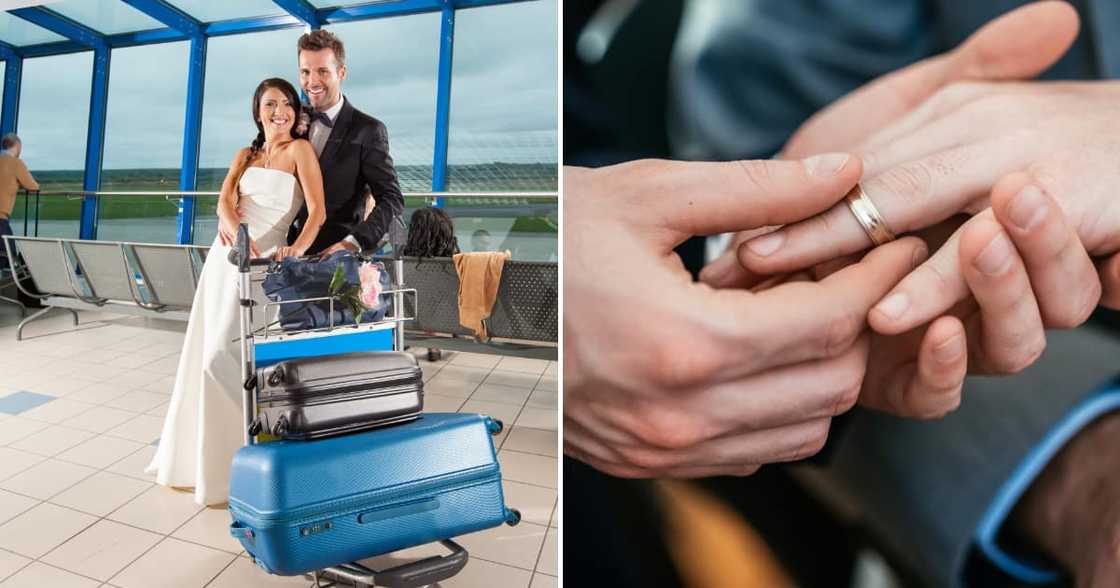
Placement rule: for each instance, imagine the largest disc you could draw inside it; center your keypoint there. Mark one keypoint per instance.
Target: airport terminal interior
(129, 112)
(80, 415)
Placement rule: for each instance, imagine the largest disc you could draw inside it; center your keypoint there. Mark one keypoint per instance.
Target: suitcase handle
(410, 575)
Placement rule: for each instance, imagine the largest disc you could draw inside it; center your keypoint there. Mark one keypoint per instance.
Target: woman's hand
(289, 251)
(227, 235)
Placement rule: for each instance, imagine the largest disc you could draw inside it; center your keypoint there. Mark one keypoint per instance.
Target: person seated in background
(431, 234)
(480, 240)
(13, 176)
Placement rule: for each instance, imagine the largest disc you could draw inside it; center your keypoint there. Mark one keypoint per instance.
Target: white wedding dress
(204, 421)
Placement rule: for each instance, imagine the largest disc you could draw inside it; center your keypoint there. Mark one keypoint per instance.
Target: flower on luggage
(370, 277)
(349, 295)
(360, 297)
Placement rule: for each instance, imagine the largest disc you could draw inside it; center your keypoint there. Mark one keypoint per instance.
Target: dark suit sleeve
(380, 175)
(923, 487)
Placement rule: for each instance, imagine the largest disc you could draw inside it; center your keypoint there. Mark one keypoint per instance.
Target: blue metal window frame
(183, 27)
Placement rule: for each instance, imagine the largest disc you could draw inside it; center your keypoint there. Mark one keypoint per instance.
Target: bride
(266, 185)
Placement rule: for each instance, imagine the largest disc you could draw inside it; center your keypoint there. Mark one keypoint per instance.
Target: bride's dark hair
(299, 127)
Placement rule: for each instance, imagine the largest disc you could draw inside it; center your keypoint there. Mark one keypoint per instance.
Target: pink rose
(370, 277)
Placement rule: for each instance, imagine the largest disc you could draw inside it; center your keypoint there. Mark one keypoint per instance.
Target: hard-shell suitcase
(299, 506)
(314, 397)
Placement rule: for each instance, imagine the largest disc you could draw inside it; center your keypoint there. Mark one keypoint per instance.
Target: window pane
(504, 96)
(16, 31)
(143, 141)
(108, 18)
(227, 124)
(211, 10)
(53, 121)
(397, 87)
(503, 135)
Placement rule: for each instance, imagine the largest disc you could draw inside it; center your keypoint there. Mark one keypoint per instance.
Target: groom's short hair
(322, 39)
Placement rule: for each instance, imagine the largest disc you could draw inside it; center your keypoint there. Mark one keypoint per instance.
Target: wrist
(1071, 510)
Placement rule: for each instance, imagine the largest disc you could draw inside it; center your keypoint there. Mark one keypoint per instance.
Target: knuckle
(758, 174)
(813, 442)
(1021, 357)
(912, 181)
(681, 364)
(840, 333)
(668, 429)
(743, 470)
(646, 459)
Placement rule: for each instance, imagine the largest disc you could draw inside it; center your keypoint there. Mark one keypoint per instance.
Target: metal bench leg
(22, 308)
(75, 313)
(23, 323)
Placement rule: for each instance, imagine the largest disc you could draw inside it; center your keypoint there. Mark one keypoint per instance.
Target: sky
(504, 91)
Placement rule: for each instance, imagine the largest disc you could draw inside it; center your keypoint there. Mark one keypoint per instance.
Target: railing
(524, 222)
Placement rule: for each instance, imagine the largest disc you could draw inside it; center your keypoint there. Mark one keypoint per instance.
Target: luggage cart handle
(410, 575)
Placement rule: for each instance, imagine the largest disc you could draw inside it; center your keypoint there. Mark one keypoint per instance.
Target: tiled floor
(80, 415)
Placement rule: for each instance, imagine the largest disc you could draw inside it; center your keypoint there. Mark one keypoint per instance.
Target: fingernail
(949, 351)
(766, 244)
(1027, 208)
(826, 164)
(715, 272)
(995, 259)
(894, 305)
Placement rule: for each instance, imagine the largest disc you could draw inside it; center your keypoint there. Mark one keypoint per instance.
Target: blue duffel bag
(299, 506)
(297, 279)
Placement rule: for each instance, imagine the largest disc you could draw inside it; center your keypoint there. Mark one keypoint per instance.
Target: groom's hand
(340, 246)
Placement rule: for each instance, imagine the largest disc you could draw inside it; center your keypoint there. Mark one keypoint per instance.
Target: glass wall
(503, 135)
(397, 87)
(143, 142)
(234, 66)
(53, 123)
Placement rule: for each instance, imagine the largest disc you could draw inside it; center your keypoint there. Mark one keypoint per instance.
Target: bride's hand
(287, 251)
(227, 235)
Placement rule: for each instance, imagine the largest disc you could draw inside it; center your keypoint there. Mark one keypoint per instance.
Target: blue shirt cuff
(1100, 402)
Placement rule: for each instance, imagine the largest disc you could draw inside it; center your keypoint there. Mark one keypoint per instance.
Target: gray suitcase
(313, 397)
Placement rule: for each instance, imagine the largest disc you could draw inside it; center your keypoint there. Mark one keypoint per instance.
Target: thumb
(1019, 44)
(687, 199)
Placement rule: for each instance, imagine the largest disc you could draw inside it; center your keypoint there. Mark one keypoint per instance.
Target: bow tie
(323, 118)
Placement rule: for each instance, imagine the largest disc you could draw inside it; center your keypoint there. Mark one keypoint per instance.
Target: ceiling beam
(61, 25)
(168, 15)
(303, 10)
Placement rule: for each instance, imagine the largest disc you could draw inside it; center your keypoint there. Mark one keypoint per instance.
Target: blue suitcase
(299, 506)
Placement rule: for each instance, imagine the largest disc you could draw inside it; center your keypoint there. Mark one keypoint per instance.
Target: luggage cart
(422, 573)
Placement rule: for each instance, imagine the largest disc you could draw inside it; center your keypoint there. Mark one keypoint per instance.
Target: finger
(780, 397)
(705, 198)
(1109, 271)
(925, 293)
(789, 443)
(909, 197)
(1018, 45)
(726, 271)
(800, 321)
(1062, 276)
(253, 248)
(930, 387)
(1010, 334)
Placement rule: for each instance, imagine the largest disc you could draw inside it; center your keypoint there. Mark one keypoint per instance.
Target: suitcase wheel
(513, 516)
(495, 426)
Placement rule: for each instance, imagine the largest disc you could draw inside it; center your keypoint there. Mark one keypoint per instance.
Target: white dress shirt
(319, 132)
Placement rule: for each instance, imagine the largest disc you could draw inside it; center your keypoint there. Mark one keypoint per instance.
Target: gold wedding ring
(868, 216)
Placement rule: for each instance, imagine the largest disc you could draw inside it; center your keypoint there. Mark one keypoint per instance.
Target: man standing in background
(13, 176)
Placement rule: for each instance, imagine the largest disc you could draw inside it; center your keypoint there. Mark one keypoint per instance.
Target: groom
(353, 150)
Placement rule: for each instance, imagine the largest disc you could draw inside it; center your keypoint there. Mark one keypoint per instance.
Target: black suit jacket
(355, 156)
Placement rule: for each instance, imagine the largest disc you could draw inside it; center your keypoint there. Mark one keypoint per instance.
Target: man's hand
(1018, 45)
(1072, 511)
(340, 246)
(667, 377)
